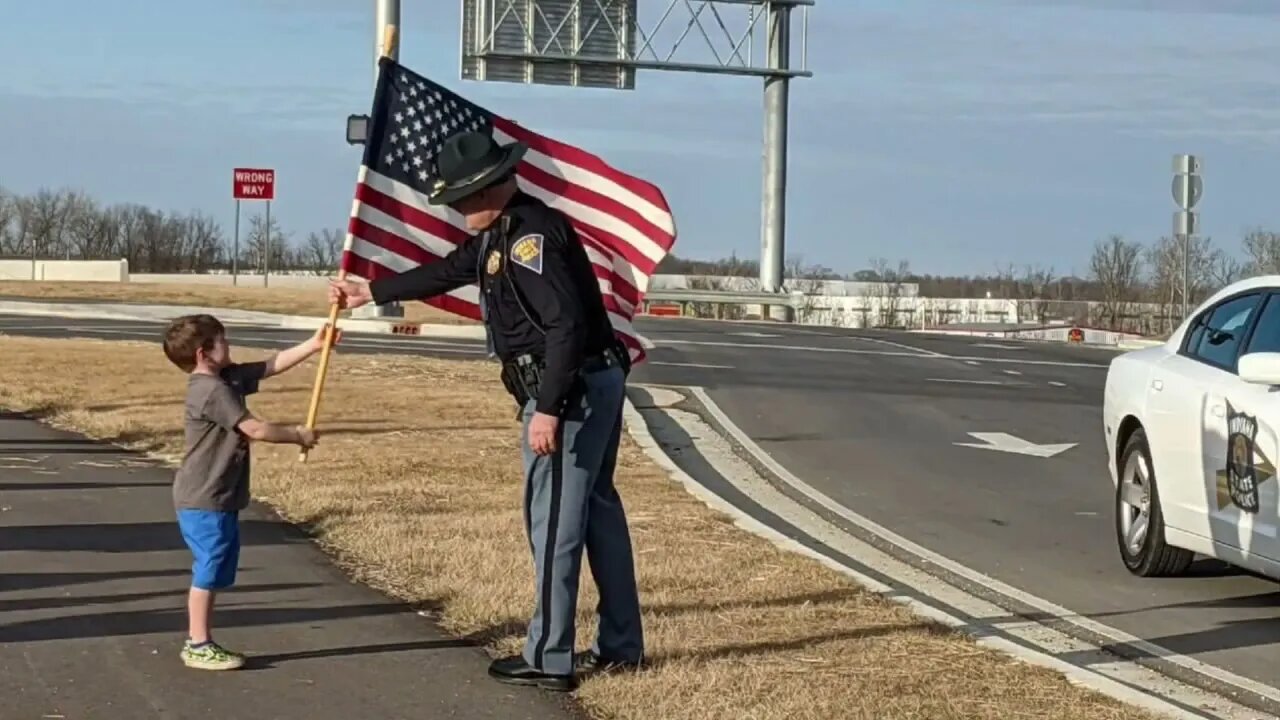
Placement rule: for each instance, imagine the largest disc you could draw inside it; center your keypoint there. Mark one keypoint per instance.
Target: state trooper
(546, 322)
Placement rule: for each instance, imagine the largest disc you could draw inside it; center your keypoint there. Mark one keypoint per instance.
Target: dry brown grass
(415, 489)
(283, 300)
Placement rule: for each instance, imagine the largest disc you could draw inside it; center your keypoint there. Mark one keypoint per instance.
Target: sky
(958, 135)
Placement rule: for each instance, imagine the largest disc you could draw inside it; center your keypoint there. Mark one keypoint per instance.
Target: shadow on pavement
(264, 662)
(38, 486)
(42, 603)
(126, 537)
(171, 620)
(13, 582)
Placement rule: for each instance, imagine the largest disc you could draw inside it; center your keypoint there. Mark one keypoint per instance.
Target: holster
(522, 377)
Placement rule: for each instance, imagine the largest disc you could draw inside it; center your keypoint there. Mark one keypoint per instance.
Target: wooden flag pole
(388, 42)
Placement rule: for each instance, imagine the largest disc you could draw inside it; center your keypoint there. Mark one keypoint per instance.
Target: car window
(1223, 329)
(1266, 334)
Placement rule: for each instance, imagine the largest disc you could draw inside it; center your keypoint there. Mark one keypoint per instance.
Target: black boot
(514, 670)
(589, 662)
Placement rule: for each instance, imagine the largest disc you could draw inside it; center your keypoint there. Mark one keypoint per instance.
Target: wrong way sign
(253, 184)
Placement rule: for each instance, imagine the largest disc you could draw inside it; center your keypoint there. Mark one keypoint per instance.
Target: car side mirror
(1260, 368)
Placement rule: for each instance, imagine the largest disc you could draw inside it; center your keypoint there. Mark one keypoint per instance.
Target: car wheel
(1139, 522)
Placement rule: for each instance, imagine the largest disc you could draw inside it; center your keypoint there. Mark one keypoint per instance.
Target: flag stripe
(577, 164)
(379, 230)
(389, 212)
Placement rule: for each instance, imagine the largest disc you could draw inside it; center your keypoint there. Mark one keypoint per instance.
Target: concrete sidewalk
(93, 576)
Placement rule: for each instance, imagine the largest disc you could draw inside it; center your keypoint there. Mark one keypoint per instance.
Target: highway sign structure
(600, 44)
(252, 184)
(1187, 188)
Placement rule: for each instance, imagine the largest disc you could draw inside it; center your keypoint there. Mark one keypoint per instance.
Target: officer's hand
(542, 433)
(349, 294)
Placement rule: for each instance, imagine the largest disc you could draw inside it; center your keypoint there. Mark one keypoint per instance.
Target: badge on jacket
(527, 252)
(493, 263)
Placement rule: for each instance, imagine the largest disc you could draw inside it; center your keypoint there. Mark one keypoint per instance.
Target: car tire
(1152, 557)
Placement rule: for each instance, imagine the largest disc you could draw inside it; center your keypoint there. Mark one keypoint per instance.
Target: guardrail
(721, 298)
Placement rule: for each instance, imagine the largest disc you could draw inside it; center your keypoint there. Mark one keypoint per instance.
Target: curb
(290, 322)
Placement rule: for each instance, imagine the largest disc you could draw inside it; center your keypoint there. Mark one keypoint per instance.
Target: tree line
(1122, 275)
(71, 225)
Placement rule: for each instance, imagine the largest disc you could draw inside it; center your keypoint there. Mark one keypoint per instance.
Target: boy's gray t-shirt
(214, 474)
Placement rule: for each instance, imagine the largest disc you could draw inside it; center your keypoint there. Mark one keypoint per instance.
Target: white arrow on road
(1004, 442)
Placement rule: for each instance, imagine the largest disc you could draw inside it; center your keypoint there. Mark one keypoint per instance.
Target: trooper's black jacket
(533, 261)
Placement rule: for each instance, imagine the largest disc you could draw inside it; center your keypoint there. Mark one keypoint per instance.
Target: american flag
(623, 221)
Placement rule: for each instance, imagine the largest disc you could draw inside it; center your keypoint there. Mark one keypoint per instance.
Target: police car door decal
(1240, 446)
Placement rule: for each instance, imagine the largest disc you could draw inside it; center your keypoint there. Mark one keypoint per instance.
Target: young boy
(212, 484)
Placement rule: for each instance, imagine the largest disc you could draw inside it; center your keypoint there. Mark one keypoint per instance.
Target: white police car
(1191, 429)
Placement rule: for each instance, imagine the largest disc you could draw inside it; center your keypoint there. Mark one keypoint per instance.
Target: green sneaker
(210, 656)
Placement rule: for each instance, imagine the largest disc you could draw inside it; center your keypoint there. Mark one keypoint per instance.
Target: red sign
(254, 184)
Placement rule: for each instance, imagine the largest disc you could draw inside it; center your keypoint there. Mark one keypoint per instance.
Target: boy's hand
(317, 341)
(307, 438)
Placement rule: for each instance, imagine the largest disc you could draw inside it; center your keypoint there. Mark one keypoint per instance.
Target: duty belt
(522, 375)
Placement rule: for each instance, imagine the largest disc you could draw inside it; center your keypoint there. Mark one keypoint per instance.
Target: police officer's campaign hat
(468, 162)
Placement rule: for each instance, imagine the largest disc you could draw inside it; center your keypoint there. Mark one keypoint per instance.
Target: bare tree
(890, 281)
(1116, 266)
(256, 246)
(323, 251)
(8, 222)
(1262, 251)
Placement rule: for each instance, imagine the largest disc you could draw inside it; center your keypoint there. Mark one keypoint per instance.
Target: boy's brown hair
(187, 334)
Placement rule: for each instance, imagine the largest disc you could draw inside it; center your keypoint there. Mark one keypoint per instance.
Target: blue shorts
(214, 539)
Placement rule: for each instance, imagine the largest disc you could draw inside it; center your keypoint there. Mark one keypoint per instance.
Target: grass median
(415, 490)
(308, 301)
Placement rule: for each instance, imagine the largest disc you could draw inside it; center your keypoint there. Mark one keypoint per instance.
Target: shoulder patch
(527, 252)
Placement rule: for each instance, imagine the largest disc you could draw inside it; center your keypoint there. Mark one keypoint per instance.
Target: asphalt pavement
(93, 576)
(872, 419)
(876, 420)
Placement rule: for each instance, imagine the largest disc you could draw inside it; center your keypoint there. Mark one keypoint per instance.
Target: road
(872, 419)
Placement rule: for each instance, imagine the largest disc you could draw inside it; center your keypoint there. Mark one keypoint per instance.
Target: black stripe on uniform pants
(549, 550)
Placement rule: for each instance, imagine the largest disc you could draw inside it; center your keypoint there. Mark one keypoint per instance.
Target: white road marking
(945, 603)
(1055, 383)
(692, 365)
(975, 363)
(1012, 372)
(1049, 609)
(965, 382)
(998, 347)
(1004, 442)
(890, 343)
(754, 334)
(916, 353)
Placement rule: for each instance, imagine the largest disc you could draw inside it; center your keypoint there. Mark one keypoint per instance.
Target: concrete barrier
(65, 270)
(241, 280)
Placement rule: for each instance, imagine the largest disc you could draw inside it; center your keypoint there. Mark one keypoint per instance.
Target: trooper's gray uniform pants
(570, 503)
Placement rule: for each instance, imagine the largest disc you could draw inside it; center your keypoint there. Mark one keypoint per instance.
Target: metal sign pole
(1187, 189)
(235, 249)
(266, 253)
